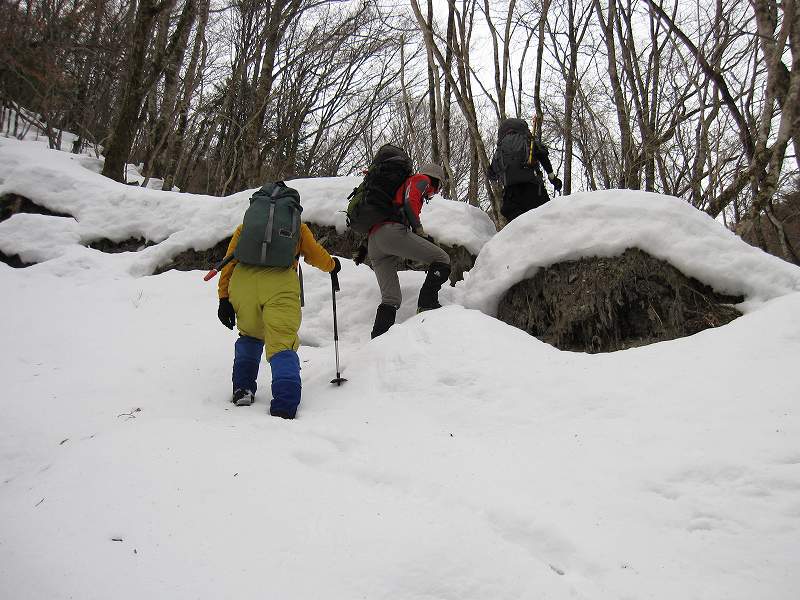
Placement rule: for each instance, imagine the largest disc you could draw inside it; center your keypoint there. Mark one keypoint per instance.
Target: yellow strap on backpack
(533, 136)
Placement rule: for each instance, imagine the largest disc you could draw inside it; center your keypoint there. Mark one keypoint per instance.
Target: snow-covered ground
(462, 460)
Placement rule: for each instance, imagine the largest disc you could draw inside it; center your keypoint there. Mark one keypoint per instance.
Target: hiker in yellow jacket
(264, 302)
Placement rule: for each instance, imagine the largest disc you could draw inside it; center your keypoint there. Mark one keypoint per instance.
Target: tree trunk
(127, 119)
(175, 149)
(432, 87)
(281, 13)
(537, 87)
(166, 117)
(474, 166)
(569, 101)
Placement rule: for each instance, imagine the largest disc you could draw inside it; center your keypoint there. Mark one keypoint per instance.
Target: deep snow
(462, 460)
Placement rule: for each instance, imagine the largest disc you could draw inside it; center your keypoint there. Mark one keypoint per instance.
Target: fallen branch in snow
(130, 415)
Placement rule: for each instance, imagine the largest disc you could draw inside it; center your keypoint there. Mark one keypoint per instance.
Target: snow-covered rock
(606, 223)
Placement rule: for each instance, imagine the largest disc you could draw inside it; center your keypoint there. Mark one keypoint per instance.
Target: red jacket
(409, 199)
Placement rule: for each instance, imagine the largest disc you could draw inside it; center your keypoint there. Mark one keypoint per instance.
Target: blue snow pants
(285, 365)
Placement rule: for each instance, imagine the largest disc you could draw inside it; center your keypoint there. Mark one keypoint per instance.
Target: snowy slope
(462, 460)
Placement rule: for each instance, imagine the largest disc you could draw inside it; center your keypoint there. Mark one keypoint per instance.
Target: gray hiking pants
(392, 242)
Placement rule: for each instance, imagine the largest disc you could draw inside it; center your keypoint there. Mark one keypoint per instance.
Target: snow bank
(104, 208)
(605, 224)
(457, 223)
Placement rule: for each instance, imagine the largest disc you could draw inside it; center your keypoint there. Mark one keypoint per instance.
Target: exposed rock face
(12, 204)
(129, 245)
(14, 261)
(606, 304)
(192, 260)
(340, 244)
(460, 262)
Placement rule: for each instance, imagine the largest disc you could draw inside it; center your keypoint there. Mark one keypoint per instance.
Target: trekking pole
(335, 288)
(213, 272)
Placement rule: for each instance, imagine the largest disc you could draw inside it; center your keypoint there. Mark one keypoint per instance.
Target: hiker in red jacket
(404, 238)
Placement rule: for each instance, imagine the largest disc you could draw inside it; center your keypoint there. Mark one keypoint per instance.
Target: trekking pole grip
(335, 282)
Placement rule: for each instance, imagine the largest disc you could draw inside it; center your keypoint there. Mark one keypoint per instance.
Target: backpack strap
(270, 220)
(268, 231)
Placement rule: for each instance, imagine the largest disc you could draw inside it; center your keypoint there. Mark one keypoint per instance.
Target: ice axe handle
(213, 272)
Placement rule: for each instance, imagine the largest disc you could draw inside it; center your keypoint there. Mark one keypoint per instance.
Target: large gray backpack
(514, 160)
(271, 227)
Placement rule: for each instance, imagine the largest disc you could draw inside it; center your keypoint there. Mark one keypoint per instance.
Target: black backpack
(516, 163)
(373, 201)
(271, 227)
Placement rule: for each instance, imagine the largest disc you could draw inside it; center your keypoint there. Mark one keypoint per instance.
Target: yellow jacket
(312, 253)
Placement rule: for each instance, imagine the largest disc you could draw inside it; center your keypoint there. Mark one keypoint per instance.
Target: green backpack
(271, 227)
(373, 201)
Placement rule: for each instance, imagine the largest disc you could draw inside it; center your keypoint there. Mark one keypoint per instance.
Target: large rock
(193, 260)
(14, 261)
(130, 245)
(12, 204)
(339, 244)
(606, 304)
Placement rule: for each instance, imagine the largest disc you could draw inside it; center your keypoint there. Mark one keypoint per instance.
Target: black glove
(335, 273)
(556, 183)
(226, 314)
(360, 254)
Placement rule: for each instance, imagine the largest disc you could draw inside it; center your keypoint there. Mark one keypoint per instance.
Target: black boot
(384, 318)
(429, 292)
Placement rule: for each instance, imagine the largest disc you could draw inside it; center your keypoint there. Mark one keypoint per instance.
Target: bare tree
(576, 25)
(461, 80)
(127, 119)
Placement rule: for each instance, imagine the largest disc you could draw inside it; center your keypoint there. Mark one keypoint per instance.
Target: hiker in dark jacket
(517, 164)
(404, 238)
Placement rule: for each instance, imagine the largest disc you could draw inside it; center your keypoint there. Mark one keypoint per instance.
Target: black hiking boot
(281, 414)
(433, 307)
(242, 397)
(384, 318)
(429, 292)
